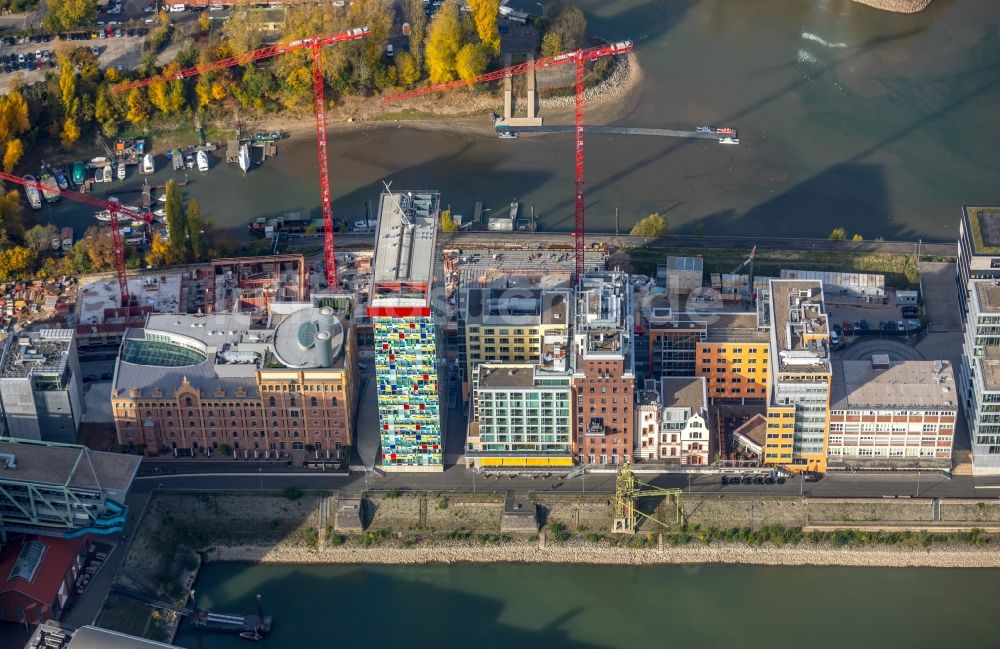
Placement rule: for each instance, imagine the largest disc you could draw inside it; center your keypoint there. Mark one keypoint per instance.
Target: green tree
(551, 44)
(470, 61)
(484, 16)
(448, 224)
(838, 234)
(654, 225)
(195, 228)
(444, 38)
(176, 223)
(40, 237)
(68, 14)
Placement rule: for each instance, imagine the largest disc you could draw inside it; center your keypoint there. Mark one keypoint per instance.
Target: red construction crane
(580, 58)
(113, 207)
(313, 44)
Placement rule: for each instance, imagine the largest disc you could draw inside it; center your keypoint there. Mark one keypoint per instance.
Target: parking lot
(879, 320)
(30, 60)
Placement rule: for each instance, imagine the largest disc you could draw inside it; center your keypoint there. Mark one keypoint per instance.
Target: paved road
(242, 478)
(480, 239)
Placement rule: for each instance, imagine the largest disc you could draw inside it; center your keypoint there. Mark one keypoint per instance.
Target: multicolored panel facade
(408, 391)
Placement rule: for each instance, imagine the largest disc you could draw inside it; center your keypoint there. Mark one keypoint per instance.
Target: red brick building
(604, 371)
(37, 576)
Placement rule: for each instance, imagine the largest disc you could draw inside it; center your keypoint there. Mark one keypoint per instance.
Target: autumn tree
(12, 154)
(176, 223)
(95, 251)
(448, 224)
(484, 16)
(470, 61)
(654, 225)
(70, 133)
(69, 14)
(407, 70)
(160, 253)
(196, 234)
(551, 44)
(138, 106)
(10, 214)
(204, 22)
(16, 262)
(40, 237)
(569, 23)
(838, 234)
(444, 38)
(67, 87)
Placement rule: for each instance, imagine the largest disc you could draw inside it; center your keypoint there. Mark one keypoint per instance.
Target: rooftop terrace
(799, 326)
(987, 296)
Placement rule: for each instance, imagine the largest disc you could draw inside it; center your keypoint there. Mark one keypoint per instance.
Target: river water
(881, 123)
(591, 607)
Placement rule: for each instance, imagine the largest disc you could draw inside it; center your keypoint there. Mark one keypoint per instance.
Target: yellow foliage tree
(160, 253)
(70, 133)
(13, 115)
(218, 91)
(484, 15)
(67, 87)
(15, 261)
(448, 224)
(12, 154)
(551, 44)
(138, 106)
(203, 90)
(204, 22)
(653, 225)
(470, 61)
(407, 69)
(444, 38)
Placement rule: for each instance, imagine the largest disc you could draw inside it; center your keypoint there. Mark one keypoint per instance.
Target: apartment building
(512, 325)
(892, 413)
(800, 374)
(673, 422)
(213, 383)
(41, 388)
(980, 375)
(978, 249)
(733, 358)
(406, 332)
(522, 415)
(603, 369)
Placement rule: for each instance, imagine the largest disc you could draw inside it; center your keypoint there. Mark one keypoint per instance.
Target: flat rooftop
(984, 226)
(37, 352)
(799, 326)
(160, 290)
(893, 385)
(525, 307)
(604, 315)
(67, 464)
(987, 296)
(990, 369)
(506, 376)
(405, 243)
(735, 328)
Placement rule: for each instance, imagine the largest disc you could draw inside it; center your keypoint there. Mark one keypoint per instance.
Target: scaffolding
(627, 491)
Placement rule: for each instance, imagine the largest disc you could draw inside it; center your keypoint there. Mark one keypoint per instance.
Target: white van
(176, 8)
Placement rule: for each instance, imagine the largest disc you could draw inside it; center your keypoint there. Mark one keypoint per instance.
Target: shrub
(442, 502)
(559, 532)
(292, 493)
(393, 494)
(369, 539)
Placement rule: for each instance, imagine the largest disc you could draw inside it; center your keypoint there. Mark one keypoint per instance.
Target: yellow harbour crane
(627, 491)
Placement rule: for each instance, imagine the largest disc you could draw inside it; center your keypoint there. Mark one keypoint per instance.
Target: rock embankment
(898, 6)
(615, 85)
(803, 554)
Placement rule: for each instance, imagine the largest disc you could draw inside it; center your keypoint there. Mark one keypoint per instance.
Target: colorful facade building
(892, 414)
(208, 384)
(603, 370)
(798, 406)
(733, 358)
(406, 332)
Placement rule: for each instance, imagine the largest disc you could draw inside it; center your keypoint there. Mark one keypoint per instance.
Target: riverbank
(464, 110)
(528, 551)
(897, 6)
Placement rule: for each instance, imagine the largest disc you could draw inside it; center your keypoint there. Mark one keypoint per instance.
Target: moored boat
(56, 242)
(121, 170)
(61, 179)
(244, 157)
(99, 175)
(202, 159)
(79, 173)
(34, 197)
(50, 188)
(148, 164)
(107, 173)
(67, 239)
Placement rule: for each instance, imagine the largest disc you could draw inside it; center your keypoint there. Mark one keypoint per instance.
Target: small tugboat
(34, 198)
(507, 135)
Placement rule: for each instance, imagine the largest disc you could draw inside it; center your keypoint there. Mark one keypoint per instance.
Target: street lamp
(917, 495)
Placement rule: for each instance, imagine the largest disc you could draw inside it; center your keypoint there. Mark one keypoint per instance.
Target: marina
(249, 627)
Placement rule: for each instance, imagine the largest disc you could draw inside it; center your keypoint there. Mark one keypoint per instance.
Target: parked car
(834, 338)
(864, 325)
(900, 327)
(910, 311)
(838, 329)
(848, 329)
